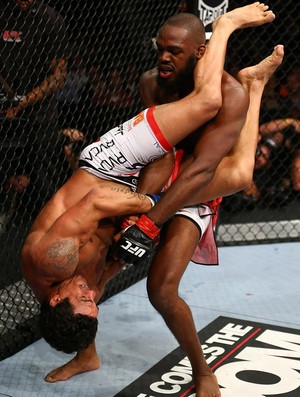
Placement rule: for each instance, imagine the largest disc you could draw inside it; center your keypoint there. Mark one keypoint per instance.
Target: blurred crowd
(54, 100)
(276, 177)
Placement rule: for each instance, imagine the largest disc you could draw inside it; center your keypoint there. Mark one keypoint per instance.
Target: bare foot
(254, 14)
(207, 386)
(71, 368)
(261, 72)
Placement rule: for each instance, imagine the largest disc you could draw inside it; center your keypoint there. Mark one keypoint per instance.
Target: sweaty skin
(234, 173)
(201, 170)
(77, 225)
(176, 250)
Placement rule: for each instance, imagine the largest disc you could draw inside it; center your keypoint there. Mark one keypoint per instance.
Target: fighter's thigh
(179, 239)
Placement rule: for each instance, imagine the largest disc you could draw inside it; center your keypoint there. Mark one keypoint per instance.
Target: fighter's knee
(161, 293)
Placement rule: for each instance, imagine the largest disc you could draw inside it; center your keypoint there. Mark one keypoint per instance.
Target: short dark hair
(190, 22)
(64, 330)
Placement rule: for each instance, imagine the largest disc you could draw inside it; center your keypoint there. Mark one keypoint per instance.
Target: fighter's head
(180, 44)
(68, 320)
(24, 5)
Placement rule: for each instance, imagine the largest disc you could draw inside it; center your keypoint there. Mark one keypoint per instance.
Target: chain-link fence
(70, 71)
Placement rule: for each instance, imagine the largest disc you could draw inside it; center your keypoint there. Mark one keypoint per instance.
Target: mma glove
(138, 242)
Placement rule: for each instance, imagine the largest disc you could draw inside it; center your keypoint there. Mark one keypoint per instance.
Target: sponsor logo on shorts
(138, 118)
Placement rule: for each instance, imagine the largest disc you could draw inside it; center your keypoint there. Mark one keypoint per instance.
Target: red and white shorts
(204, 216)
(121, 153)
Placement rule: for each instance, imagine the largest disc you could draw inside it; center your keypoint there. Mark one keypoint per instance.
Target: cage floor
(257, 283)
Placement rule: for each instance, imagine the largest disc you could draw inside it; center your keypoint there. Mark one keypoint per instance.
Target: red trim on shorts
(156, 130)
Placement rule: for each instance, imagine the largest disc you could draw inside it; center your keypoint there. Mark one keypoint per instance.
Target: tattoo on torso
(63, 255)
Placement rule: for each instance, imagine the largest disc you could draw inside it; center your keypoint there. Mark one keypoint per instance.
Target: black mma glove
(137, 242)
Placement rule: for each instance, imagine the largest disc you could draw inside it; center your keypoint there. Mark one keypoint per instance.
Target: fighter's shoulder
(148, 87)
(149, 76)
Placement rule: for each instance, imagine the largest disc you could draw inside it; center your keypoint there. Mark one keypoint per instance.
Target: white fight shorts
(122, 152)
(206, 252)
(204, 216)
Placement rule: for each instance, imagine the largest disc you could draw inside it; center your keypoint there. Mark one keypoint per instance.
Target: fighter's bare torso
(91, 241)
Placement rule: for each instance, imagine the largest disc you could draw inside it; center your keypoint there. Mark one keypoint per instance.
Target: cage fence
(106, 47)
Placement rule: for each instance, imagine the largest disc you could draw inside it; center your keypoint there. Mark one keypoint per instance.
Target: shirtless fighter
(64, 254)
(189, 234)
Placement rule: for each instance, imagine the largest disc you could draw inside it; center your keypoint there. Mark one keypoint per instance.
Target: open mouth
(165, 71)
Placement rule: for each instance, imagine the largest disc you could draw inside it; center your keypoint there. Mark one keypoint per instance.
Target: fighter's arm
(279, 125)
(54, 80)
(214, 143)
(230, 119)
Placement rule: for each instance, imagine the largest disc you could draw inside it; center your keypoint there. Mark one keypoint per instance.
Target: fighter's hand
(137, 242)
(74, 140)
(10, 113)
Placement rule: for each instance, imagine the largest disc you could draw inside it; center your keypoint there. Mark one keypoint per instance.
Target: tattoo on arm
(63, 255)
(131, 194)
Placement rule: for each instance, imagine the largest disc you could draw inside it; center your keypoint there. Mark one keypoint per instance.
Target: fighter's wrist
(147, 226)
(153, 198)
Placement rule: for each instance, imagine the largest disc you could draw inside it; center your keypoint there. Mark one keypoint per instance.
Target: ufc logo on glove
(133, 249)
(138, 242)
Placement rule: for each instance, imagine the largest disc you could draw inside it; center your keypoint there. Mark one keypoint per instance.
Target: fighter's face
(262, 158)
(81, 297)
(177, 56)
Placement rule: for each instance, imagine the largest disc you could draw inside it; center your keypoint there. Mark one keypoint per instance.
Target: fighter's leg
(180, 118)
(234, 172)
(174, 253)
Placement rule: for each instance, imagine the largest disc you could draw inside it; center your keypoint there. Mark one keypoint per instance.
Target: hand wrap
(154, 198)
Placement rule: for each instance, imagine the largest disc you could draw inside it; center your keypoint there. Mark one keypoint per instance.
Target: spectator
(110, 90)
(72, 97)
(290, 91)
(74, 141)
(279, 125)
(33, 67)
(289, 130)
(262, 175)
(295, 172)
(111, 98)
(271, 104)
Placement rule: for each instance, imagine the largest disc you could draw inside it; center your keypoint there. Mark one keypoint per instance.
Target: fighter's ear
(54, 300)
(200, 51)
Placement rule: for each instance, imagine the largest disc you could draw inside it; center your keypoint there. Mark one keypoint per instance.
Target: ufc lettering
(134, 249)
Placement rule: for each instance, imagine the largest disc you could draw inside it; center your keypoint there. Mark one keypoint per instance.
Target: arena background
(110, 44)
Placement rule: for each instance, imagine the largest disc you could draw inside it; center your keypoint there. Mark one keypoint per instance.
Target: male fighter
(178, 44)
(64, 253)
